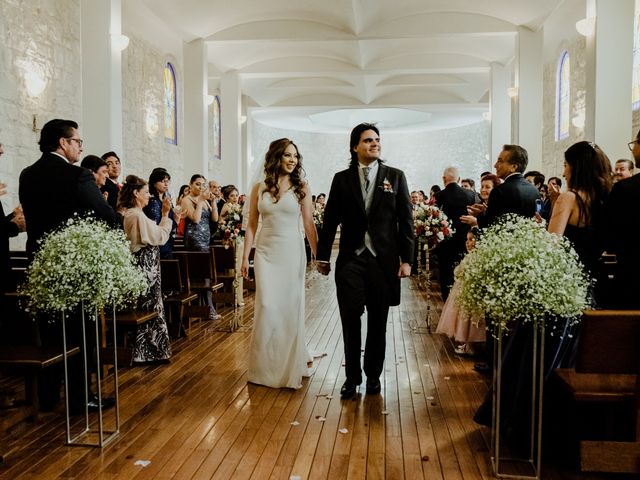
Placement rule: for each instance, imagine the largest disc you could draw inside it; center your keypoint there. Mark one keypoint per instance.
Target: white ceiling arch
(308, 55)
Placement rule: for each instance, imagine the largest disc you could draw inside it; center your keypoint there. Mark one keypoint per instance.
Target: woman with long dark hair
(577, 211)
(279, 355)
(159, 182)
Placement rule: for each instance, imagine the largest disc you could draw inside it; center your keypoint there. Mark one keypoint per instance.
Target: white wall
(422, 156)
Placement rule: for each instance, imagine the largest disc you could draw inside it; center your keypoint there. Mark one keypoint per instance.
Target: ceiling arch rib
(429, 63)
(437, 23)
(281, 30)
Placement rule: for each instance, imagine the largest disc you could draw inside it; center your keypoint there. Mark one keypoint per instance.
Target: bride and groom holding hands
(370, 201)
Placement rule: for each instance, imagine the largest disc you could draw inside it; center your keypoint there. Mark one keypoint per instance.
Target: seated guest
(159, 182)
(152, 338)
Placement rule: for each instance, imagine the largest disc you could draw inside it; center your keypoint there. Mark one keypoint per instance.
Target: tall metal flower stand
(424, 283)
(235, 320)
(91, 437)
(516, 452)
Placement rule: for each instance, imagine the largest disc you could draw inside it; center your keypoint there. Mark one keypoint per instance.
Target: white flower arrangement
(520, 272)
(86, 262)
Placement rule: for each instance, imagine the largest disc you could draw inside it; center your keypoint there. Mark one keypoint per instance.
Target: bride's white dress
(279, 354)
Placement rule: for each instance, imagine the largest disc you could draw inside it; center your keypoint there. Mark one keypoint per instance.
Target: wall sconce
(34, 81)
(210, 99)
(243, 119)
(486, 116)
(512, 92)
(119, 42)
(586, 26)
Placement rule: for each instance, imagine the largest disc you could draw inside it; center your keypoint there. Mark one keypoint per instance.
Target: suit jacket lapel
(354, 180)
(378, 191)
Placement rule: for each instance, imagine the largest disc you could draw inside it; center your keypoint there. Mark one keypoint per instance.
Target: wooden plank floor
(198, 418)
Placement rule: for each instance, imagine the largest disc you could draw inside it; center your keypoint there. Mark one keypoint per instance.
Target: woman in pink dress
(453, 322)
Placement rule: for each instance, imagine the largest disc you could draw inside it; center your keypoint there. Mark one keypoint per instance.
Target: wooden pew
(607, 373)
(176, 296)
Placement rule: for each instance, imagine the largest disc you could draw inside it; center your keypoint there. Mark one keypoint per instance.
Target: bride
(279, 355)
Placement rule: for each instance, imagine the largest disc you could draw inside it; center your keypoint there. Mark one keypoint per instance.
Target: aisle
(198, 418)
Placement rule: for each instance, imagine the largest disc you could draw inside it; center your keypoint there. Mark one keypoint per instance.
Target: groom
(370, 201)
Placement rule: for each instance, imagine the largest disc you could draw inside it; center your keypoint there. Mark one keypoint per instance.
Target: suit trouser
(361, 283)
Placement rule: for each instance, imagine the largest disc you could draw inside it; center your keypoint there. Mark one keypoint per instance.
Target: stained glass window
(635, 85)
(170, 112)
(562, 97)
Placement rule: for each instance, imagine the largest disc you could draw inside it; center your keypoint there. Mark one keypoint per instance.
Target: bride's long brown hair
(273, 169)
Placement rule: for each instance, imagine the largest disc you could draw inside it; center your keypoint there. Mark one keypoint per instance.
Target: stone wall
(143, 113)
(40, 37)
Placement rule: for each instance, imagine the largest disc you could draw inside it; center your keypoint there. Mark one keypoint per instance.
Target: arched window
(635, 85)
(563, 94)
(170, 112)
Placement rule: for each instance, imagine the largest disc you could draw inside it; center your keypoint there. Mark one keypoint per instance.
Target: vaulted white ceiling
(303, 57)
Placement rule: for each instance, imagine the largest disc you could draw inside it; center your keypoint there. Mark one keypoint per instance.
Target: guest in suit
(453, 200)
(99, 169)
(370, 201)
(515, 195)
(112, 186)
(76, 193)
(620, 231)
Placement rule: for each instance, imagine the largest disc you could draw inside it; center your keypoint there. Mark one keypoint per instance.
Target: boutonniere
(386, 186)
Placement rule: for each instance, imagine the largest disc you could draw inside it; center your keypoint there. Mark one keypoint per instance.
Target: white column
(613, 49)
(500, 109)
(195, 143)
(230, 125)
(529, 104)
(101, 122)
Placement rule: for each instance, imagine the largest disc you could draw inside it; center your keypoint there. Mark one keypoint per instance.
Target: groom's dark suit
(364, 280)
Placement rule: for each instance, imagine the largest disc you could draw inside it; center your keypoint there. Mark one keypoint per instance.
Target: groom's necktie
(365, 172)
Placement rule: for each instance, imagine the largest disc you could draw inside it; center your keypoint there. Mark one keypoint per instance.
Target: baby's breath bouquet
(84, 261)
(520, 272)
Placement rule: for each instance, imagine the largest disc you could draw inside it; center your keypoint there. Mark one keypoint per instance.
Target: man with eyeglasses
(620, 232)
(51, 191)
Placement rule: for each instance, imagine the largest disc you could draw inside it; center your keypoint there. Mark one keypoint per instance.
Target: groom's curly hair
(273, 169)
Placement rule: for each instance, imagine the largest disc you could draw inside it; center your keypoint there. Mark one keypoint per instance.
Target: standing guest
(112, 185)
(453, 200)
(578, 210)
(200, 214)
(453, 321)
(159, 182)
(216, 191)
(10, 226)
(470, 184)
(76, 193)
(487, 184)
(432, 194)
(370, 201)
(99, 169)
(231, 197)
(279, 355)
(320, 201)
(515, 195)
(623, 169)
(179, 213)
(152, 338)
(415, 200)
(620, 232)
(535, 178)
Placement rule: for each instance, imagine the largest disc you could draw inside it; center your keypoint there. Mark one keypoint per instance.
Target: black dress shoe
(348, 390)
(107, 402)
(373, 386)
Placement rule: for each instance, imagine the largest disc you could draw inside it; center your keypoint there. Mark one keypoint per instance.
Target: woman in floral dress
(152, 338)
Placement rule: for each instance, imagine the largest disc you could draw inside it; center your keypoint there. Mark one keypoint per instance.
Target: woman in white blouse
(152, 338)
